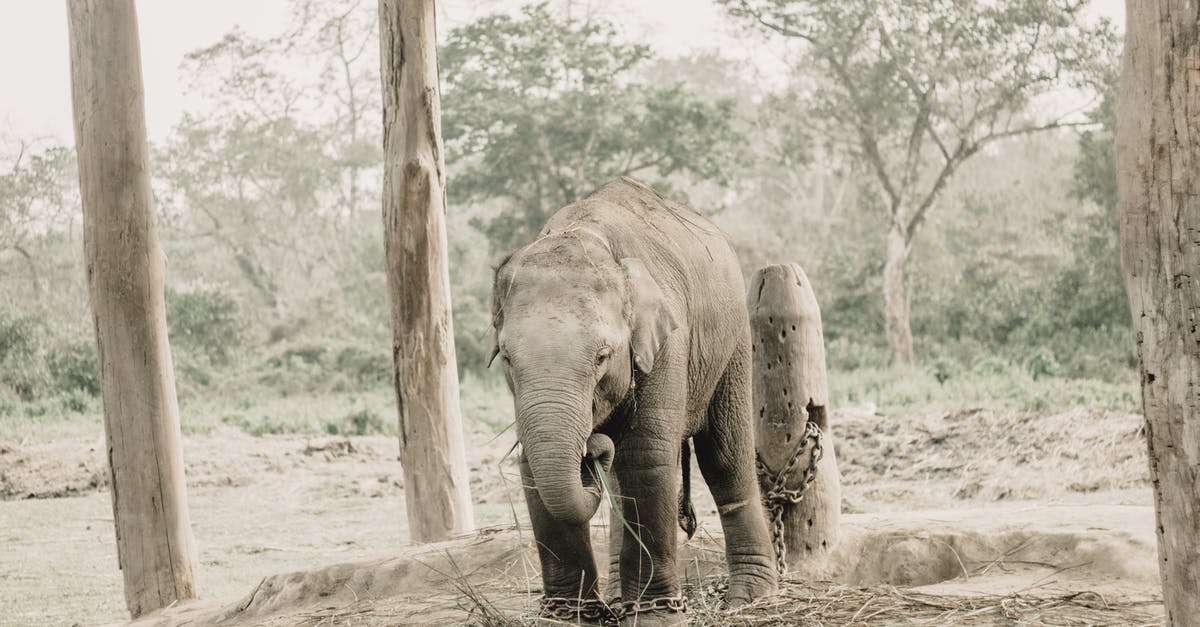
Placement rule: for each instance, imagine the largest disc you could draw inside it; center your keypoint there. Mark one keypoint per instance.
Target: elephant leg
(565, 550)
(647, 465)
(725, 452)
(616, 531)
(648, 517)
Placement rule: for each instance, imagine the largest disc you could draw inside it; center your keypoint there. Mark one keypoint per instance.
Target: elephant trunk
(554, 429)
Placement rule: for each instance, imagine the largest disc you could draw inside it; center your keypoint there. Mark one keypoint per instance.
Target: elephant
(623, 333)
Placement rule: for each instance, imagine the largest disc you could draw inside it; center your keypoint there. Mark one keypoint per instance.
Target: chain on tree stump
(790, 391)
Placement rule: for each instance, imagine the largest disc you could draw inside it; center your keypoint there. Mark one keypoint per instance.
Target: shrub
(74, 369)
(8, 404)
(37, 362)
(76, 401)
(367, 368)
(205, 322)
(22, 356)
(362, 422)
(324, 365)
(264, 425)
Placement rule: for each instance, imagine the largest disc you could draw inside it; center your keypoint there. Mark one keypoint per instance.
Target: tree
(1158, 185)
(276, 169)
(414, 209)
(253, 186)
(542, 108)
(914, 88)
(125, 271)
(34, 196)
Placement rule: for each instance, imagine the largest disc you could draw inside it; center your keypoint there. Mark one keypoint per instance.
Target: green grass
(346, 413)
(66, 416)
(485, 401)
(990, 385)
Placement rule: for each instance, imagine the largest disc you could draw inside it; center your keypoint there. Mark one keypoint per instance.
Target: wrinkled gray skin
(624, 324)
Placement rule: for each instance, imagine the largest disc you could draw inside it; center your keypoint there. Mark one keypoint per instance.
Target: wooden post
(414, 234)
(125, 283)
(1158, 183)
(790, 389)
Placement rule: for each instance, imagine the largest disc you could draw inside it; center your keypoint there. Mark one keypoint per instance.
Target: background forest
(942, 170)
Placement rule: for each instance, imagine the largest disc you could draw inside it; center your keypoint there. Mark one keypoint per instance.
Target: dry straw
(796, 604)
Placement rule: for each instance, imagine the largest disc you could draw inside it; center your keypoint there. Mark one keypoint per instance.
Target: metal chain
(673, 605)
(569, 610)
(596, 611)
(776, 495)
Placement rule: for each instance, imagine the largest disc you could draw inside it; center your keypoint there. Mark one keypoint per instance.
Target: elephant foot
(747, 587)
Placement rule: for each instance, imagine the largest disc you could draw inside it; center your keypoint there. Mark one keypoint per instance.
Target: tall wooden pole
(125, 282)
(1158, 182)
(414, 227)
(790, 391)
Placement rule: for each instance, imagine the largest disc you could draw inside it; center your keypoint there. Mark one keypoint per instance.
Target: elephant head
(571, 323)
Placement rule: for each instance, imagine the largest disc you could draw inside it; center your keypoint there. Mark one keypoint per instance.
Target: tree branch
(948, 169)
(867, 139)
(782, 29)
(1028, 130)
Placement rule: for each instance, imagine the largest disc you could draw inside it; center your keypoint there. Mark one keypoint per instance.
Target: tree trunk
(896, 297)
(414, 205)
(791, 389)
(1158, 176)
(125, 280)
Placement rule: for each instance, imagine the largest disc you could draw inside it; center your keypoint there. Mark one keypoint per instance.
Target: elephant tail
(687, 513)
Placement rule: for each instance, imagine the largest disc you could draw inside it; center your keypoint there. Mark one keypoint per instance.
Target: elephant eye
(603, 356)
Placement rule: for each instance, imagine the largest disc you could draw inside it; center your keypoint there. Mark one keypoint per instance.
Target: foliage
(280, 163)
(1096, 168)
(36, 363)
(361, 422)
(992, 383)
(268, 198)
(323, 365)
(205, 321)
(912, 89)
(37, 191)
(540, 109)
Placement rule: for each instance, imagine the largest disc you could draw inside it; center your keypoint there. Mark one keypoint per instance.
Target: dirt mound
(1038, 564)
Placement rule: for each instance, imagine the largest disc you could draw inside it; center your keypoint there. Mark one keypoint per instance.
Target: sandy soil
(966, 503)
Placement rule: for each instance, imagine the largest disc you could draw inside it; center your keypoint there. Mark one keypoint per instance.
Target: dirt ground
(975, 506)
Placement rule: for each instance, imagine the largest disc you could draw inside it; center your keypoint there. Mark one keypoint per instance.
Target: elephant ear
(498, 285)
(652, 320)
(495, 346)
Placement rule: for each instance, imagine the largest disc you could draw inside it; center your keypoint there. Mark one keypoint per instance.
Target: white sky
(35, 100)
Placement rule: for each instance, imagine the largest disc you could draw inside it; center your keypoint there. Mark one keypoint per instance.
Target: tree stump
(437, 487)
(790, 390)
(155, 550)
